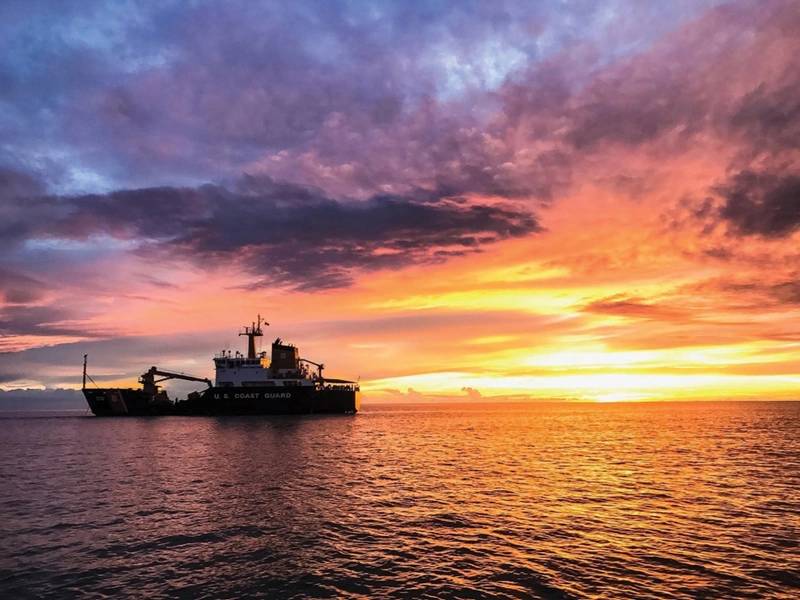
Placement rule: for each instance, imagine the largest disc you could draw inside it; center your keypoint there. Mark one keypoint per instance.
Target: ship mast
(85, 375)
(252, 333)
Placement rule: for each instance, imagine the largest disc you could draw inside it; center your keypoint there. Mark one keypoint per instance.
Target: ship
(252, 384)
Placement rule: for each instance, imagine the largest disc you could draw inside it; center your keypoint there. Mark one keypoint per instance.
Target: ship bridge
(283, 368)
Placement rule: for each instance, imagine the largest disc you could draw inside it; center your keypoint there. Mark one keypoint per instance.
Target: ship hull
(120, 402)
(272, 401)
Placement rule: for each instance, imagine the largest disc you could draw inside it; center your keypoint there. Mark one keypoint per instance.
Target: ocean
(549, 500)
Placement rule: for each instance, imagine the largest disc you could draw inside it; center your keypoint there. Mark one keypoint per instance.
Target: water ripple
(514, 501)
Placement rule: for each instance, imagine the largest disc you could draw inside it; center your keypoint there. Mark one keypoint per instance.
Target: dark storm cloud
(762, 204)
(283, 233)
(318, 243)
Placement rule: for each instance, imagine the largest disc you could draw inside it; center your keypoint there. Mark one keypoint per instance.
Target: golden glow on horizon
(608, 386)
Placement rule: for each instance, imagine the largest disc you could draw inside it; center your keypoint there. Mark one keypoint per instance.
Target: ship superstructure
(284, 367)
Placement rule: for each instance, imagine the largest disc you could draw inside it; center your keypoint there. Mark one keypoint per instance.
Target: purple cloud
(284, 233)
(378, 135)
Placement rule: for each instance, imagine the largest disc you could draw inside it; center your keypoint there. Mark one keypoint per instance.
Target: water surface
(527, 500)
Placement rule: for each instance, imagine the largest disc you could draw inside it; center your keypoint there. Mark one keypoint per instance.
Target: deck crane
(318, 365)
(149, 381)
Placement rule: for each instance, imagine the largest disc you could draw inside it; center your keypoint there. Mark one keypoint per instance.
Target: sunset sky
(455, 200)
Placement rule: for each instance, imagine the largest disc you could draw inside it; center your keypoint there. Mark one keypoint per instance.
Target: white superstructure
(284, 368)
(240, 371)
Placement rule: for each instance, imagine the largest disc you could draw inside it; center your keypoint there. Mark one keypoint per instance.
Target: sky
(452, 200)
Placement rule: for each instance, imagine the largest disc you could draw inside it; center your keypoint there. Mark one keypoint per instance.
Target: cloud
(764, 204)
(755, 291)
(787, 291)
(626, 306)
(472, 393)
(16, 288)
(769, 115)
(36, 320)
(354, 98)
(110, 359)
(387, 100)
(282, 233)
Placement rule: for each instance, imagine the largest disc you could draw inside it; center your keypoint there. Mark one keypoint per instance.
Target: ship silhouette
(252, 384)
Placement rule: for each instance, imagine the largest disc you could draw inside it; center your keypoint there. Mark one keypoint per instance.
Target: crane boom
(148, 379)
(319, 366)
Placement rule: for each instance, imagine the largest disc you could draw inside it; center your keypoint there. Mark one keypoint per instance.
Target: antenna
(252, 333)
